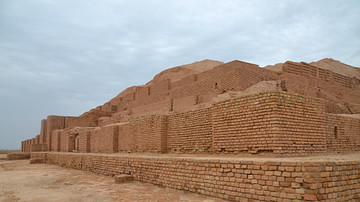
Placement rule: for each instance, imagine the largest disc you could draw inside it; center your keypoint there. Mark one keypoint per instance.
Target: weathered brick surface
(84, 141)
(237, 180)
(43, 131)
(309, 70)
(245, 124)
(301, 121)
(56, 140)
(108, 136)
(147, 134)
(342, 133)
(38, 147)
(53, 123)
(190, 131)
(94, 140)
(273, 122)
(17, 155)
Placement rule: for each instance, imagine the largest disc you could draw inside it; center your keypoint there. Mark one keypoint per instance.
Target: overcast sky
(66, 57)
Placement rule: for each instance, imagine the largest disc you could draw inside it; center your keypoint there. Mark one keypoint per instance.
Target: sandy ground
(21, 181)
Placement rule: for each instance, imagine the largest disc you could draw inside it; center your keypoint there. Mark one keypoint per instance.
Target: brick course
(231, 179)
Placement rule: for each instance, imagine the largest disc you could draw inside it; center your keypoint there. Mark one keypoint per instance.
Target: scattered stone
(123, 178)
(36, 160)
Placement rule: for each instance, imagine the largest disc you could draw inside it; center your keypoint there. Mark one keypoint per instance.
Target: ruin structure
(232, 108)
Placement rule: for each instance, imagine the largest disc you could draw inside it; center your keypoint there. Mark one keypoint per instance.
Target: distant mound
(277, 67)
(179, 72)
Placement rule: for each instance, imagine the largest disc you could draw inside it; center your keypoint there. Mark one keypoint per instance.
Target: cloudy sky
(66, 57)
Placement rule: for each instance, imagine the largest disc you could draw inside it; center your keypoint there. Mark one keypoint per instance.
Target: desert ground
(22, 181)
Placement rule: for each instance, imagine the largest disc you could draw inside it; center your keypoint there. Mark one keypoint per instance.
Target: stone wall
(231, 179)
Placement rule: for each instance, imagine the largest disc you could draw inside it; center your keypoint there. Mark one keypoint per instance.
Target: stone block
(123, 178)
(36, 160)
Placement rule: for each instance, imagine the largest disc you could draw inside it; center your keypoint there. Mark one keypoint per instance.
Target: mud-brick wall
(37, 147)
(25, 146)
(245, 124)
(43, 131)
(53, 123)
(190, 131)
(147, 134)
(238, 180)
(84, 141)
(309, 70)
(300, 68)
(127, 138)
(301, 124)
(342, 133)
(55, 140)
(108, 139)
(184, 81)
(37, 139)
(67, 141)
(244, 77)
(94, 140)
(197, 88)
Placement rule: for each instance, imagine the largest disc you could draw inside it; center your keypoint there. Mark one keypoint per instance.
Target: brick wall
(53, 123)
(342, 133)
(94, 140)
(301, 123)
(147, 134)
(84, 141)
(152, 108)
(108, 136)
(235, 179)
(127, 138)
(56, 141)
(37, 139)
(190, 131)
(245, 124)
(184, 81)
(197, 88)
(273, 122)
(142, 94)
(37, 147)
(183, 103)
(43, 131)
(309, 70)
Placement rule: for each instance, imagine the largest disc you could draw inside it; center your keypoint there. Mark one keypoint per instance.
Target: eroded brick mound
(177, 112)
(18, 156)
(328, 79)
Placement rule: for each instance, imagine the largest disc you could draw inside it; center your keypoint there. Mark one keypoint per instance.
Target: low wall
(17, 156)
(231, 179)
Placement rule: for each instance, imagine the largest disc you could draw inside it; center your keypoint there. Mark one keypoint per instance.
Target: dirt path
(21, 181)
